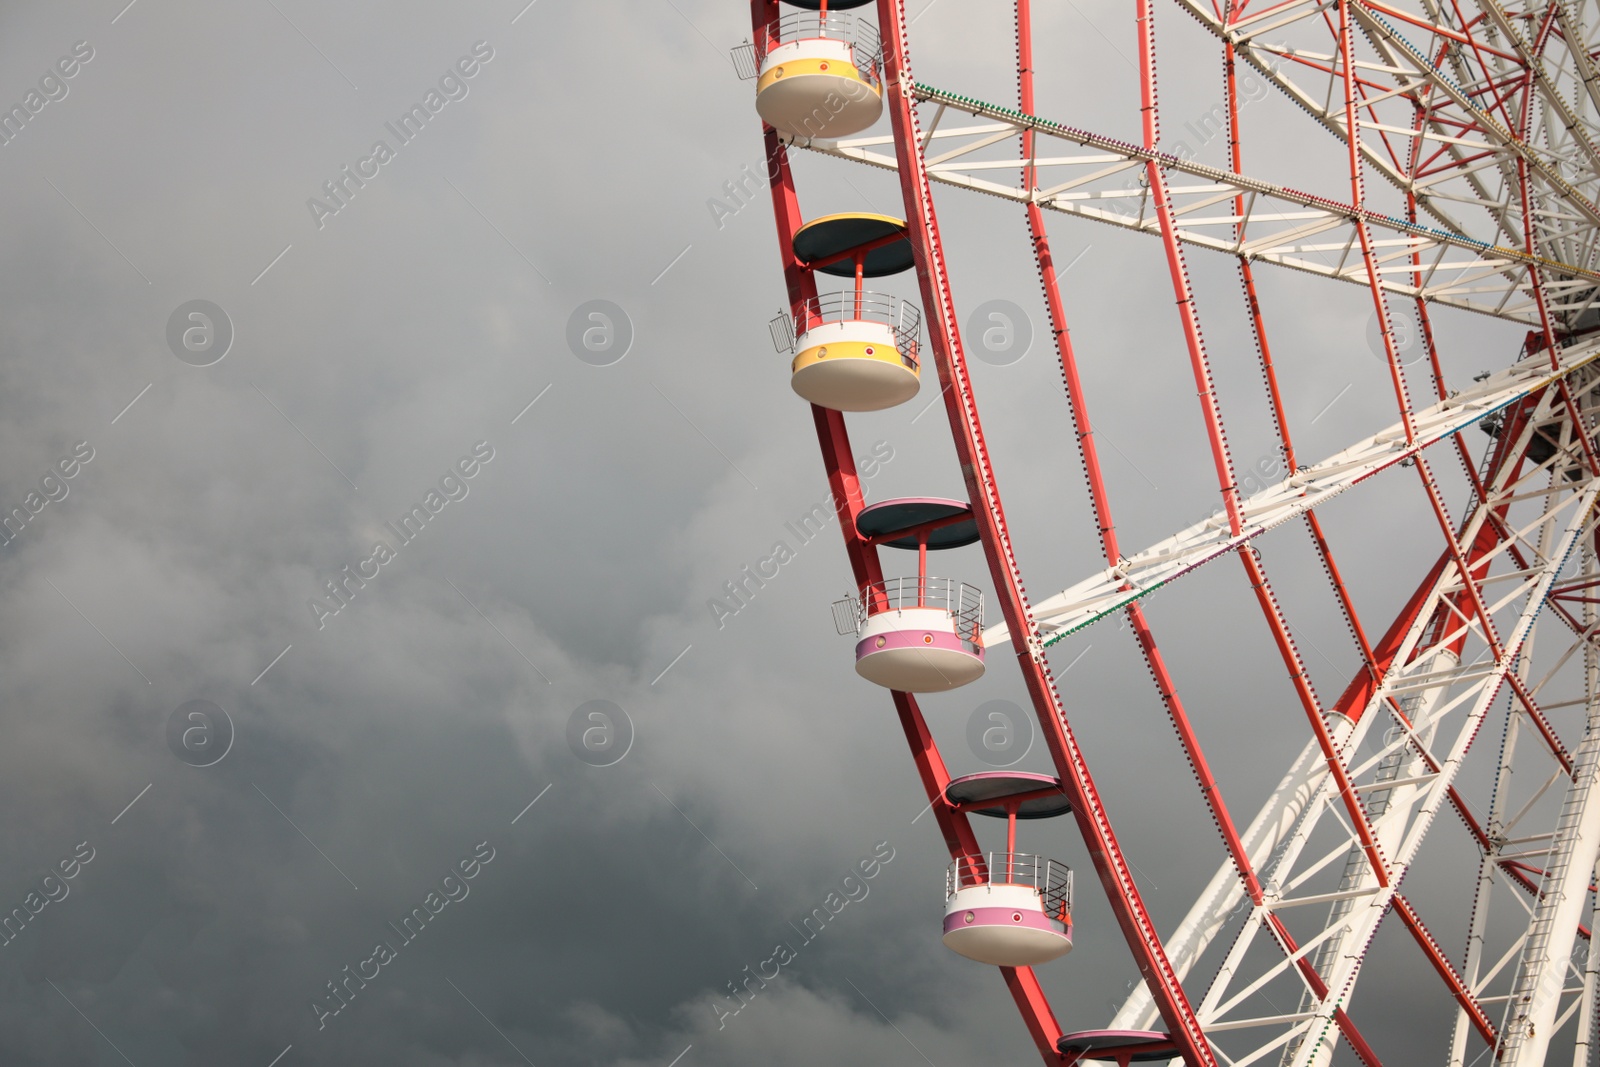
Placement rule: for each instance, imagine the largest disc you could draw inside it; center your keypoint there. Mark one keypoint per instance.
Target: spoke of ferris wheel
(1138, 576)
(1279, 225)
(1404, 785)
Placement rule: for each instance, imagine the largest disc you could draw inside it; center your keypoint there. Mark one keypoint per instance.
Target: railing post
(922, 570)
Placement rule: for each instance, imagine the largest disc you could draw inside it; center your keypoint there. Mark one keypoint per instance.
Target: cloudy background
(371, 352)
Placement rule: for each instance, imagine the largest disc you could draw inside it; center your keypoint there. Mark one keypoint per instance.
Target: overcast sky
(355, 357)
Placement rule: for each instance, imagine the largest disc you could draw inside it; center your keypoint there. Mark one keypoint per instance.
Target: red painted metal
(944, 337)
(1200, 365)
(1363, 232)
(920, 531)
(1187, 314)
(1188, 738)
(1441, 964)
(858, 253)
(1057, 310)
(833, 439)
(1164, 682)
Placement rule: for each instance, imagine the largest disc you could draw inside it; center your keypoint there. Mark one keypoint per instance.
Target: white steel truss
(1433, 699)
(1546, 962)
(1311, 486)
(1103, 181)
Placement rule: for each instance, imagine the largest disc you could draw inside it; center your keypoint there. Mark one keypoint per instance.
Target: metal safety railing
(860, 35)
(1051, 879)
(902, 317)
(962, 601)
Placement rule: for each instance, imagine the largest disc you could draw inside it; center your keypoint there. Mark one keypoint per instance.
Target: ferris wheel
(1470, 131)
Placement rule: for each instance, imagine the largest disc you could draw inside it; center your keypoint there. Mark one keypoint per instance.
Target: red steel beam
(834, 442)
(1441, 964)
(961, 405)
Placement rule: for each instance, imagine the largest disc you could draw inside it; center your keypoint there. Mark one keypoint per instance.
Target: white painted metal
(1488, 877)
(1099, 178)
(1403, 824)
(1403, 786)
(1311, 486)
(1547, 952)
(1584, 1051)
(1268, 835)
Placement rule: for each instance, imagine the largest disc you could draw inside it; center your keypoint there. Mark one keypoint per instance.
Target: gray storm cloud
(420, 306)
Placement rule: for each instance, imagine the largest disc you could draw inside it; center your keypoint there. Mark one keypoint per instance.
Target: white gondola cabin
(1009, 909)
(817, 72)
(916, 634)
(853, 350)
